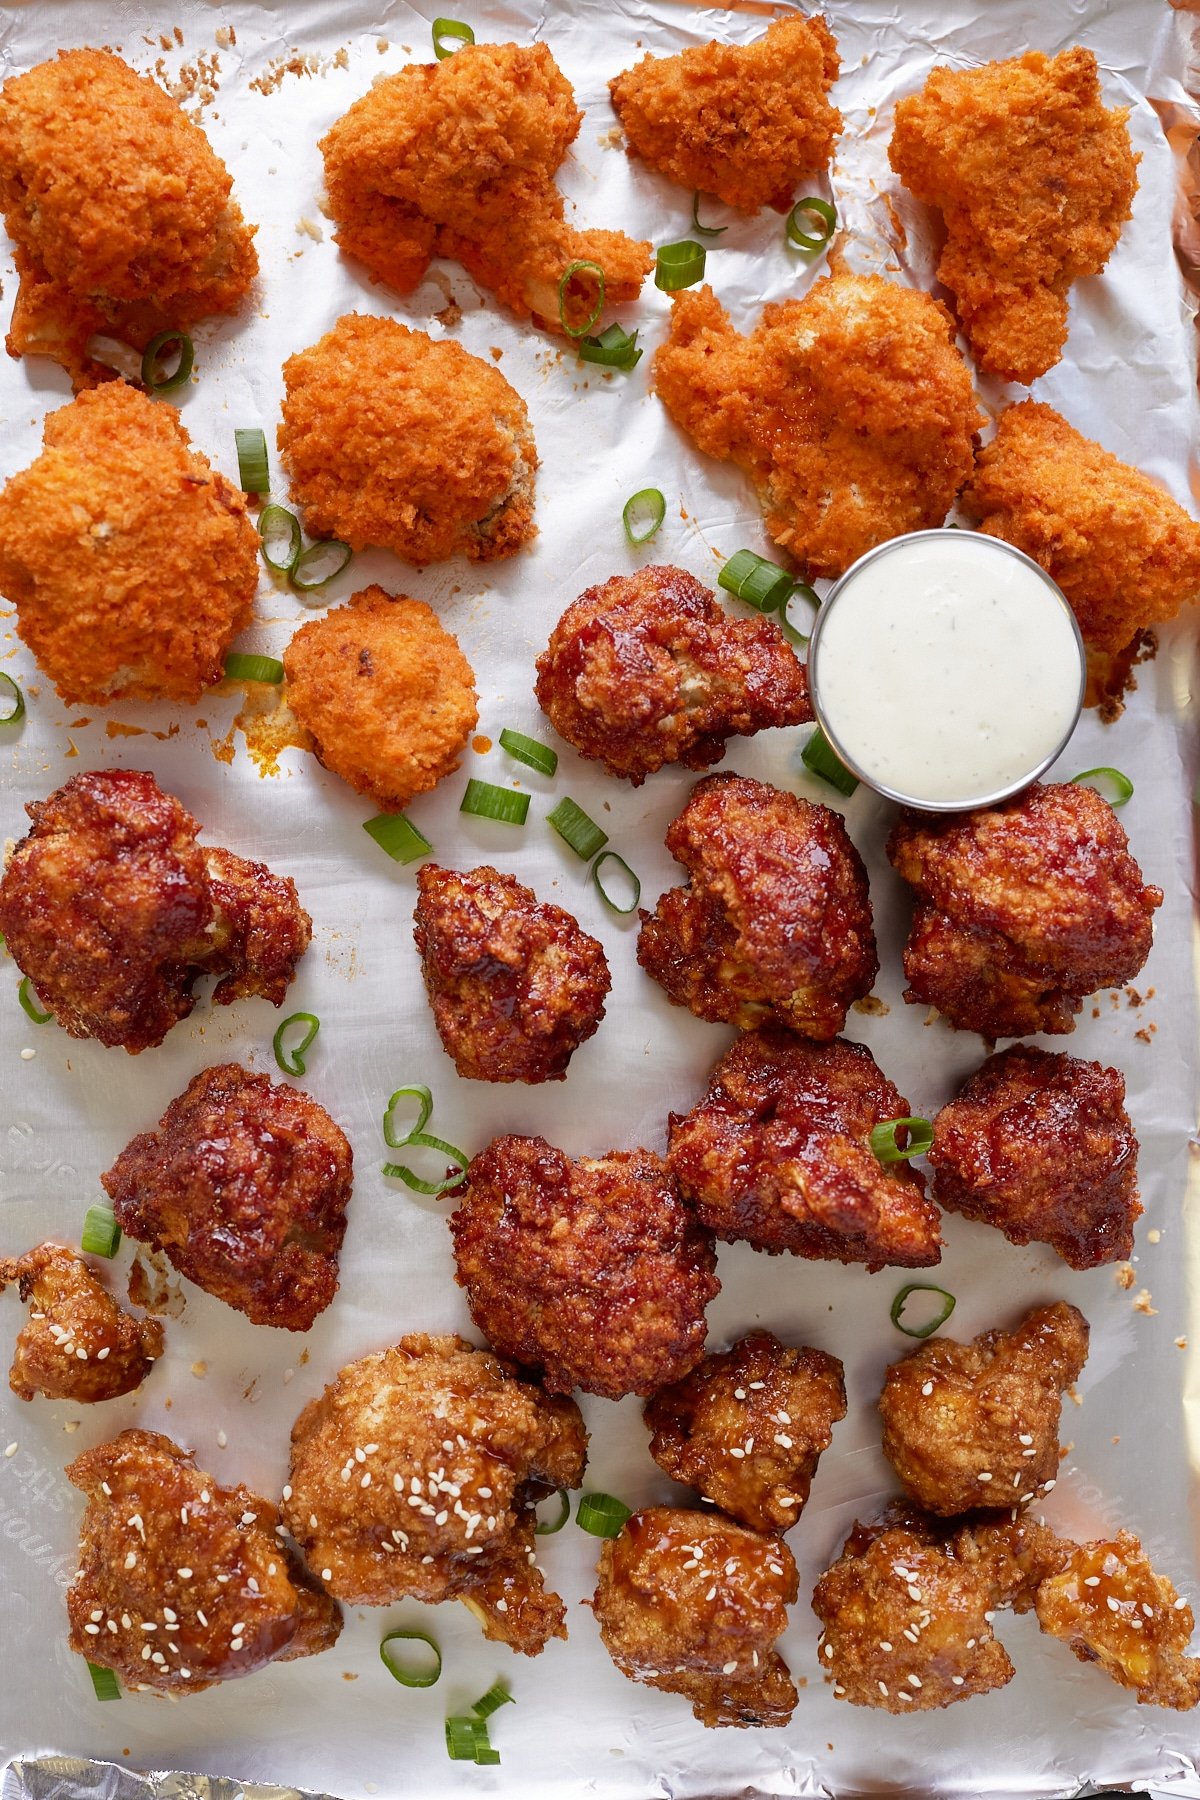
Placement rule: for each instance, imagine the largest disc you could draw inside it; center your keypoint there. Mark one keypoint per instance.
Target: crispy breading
(742, 121)
(647, 669)
(131, 562)
(78, 1344)
(592, 1272)
(1034, 178)
(119, 208)
(692, 1603)
(458, 159)
(1123, 552)
(774, 923)
(394, 441)
(385, 692)
(1021, 909)
(1109, 1607)
(1014, 1551)
(851, 410)
(182, 1582)
(777, 1154)
(515, 985)
(1041, 1147)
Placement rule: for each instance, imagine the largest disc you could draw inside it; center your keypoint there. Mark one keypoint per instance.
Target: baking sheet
(231, 1390)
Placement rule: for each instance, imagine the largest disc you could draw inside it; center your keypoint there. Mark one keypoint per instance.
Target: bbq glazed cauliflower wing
(77, 1344)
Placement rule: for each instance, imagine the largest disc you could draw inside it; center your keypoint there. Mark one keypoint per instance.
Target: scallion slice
(420, 1140)
(810, 597)
(17, 710)
(254, 473)
(424, 1100)
(819, 759)
(422, 1673)
(453, 29)
(101, 1235)
(568, 275)
(883, 1139)
(278, 527)
(679, 265)
(704, 230)
(484, 800)
(642, 514)
(104, 1683)
(398, 836)
(316, 567)
(253, 668)
(157, 379)
(576, 829)
(29, 1005)
(814, 208)
(615, 348)
(527, 750)
(940, 1317)
(467, 1740)
(1110, 784)
(291, 1060)
(759, 583)
(496, 1697)
(626, 874)
(548, 1527)
(601, 1514)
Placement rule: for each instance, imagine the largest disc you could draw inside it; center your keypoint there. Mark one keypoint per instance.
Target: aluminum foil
(77, 1778)
(231, 1390)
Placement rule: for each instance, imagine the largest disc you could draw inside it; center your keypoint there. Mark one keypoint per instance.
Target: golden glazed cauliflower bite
(78, 1344)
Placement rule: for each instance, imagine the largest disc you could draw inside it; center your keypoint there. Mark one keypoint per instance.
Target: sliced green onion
(759, 583)
(317, 566)
(29, 1005)
(424, 1100)
(17, 710)
(254, 473)
(253, 668)
(810, 597)
(291, 1061)
(615, 348)
(423, 1674)
(601, 1514)
(277, 525)
(819, 759)
(156, 379)
(421, 1140)
(101, 1234)
(527, 750)
(575, 828)
(649, 508)
(817, 209)
(496, 1697)
(104, 1682)
(626, 874)
(901, 1301)
(1110, 784)
(679, 265)
(548, 1527)
(484, 800)
(449, 28)
(704, 230)
(887, 1150)
(398, 836)
(572, 269)
(467, 1740)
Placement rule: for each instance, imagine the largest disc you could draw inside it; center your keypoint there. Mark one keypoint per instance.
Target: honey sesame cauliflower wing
(1034, 178)
(777, 1154)
(851, 411)
(458, 159)
(1014, 1551)
(1041, 1147)
(747, 1427)
(114, 911)
(414, 1475)
(975, 1425)
(385, 693)
(398, 442)
(182, 1582)
(132, 564)
(775, 920)
(745, 122)
(119, 208)
(692, 1603)
(1109, 1607)
(515, 985)
(78, 1343)
(647, 669)
(592, 1272)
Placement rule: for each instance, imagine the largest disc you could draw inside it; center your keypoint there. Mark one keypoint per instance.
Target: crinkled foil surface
(231, 1390)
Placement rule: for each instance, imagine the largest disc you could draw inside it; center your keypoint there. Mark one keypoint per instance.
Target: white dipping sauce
(946, 669)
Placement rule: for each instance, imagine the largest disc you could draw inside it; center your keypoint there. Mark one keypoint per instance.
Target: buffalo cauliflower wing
(78, 1344)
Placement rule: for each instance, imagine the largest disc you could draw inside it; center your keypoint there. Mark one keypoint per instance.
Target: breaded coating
(414, 1476)
(1034, 178)
(1041, 1147)
(851, 411)
(78, 1343)
(905, 1627)
(244, 1185)
(458, 159)
(1123, 552)
(515, 985)
(131, 562)
(114, 911)
(395, 442)
(386, 694)
(1015, 1552)
(120, 211)
(774, 923)
(747, 1428)
(777, 1154)
(647, 669)
(745, 122)
(692, 1603)
(1022, 909)
(592, 1272)
(182, 1582)
(1109, 1607)
(975, 1425)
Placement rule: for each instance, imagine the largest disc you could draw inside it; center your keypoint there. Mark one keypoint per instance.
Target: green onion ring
(611, 856)
(104, 1682)
(704, 230)
(406, 1676)
(273, 521)
(9, 686)
(822, 209)
(292, 1061)
(101, 1235)
(496, 1697)
(484, 800)
(810, 597)
(576, 829)
(761, 584)
(921, 1287)
(615, 348)
(679, 265)
(1118, 785)
(651, 501)
(398, 836)
(467, 1740)
(449, 28)
(254, 474)
(151, 354)
(253, 668)
(883, 1139)
(602, 1514)
(424, 1101)
(527, 750)
(306, 571)
(571, 270)
(548, 1527)
(820, 760)
(422, 1140)
(29, 1005)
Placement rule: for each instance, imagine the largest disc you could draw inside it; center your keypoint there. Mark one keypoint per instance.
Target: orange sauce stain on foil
(481, 745)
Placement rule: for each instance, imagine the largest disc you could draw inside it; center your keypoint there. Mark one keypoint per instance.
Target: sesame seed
(312, 1521)
(928, 1388)
(201, 1618)
(92, 1630)
(1047, 1485)
(237, 1644)
(914, 1681)
(989, 1616)
(711, 1594)
(130, 1560)
(184, 1574)
(971, 1643)
(883, 1689)
(958, 1680)
(146, 1654)
(749, 1445)
(326, 1574)
(827, 1652)
(758, 1384)
(502, 1606)
(985, 1475)
(1148, 1610)
(98, 1614)
(1024, 1438)
(1179, 1605)
(885, 1646)
(366, 1480)
(101, 1354)
(729, 1668)
(10, 1449)
(914, 1593)
(737, 1451)
(149, 1625)
(222, 1440)
(287, 1492)
(28, 1053)
(248, 1518)
(1091, 1581)
(112, 1625)
(371, 1449)
(739, 1393)
(782, 1439)
(839, 1691)
(205, 1496)
(186, 1674)
(1113, 1605)
(485, 1493)
(169, 1613)
(360, 1456)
